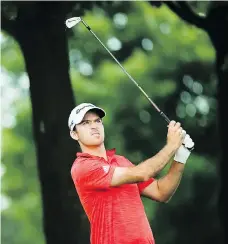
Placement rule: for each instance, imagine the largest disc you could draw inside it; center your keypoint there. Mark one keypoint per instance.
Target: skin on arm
(143, 171)
(163, 189)
(152, 166)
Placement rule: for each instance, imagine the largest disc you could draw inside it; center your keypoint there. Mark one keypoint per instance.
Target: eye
(85, 122)
(99, 121)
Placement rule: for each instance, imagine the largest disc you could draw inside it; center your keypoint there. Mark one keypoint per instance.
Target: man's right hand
(175, 135)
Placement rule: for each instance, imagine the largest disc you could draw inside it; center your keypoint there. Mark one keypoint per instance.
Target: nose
(93, 125)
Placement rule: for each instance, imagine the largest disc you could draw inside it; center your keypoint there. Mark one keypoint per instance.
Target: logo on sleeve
(106, 168)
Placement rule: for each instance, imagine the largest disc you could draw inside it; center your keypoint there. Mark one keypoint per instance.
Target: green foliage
(12, 58)
(22, 220)
(162, 54)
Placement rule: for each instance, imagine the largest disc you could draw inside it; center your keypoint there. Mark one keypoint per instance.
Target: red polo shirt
(116, 214)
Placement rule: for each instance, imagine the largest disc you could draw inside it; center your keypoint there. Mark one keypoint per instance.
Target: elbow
(164, 198)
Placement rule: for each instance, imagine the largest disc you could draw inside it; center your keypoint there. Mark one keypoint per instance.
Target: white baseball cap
(78, 113)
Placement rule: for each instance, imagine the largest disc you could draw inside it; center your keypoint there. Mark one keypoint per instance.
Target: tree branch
(183, 10)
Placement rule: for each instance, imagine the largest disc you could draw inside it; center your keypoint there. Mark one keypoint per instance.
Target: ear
(74, 135)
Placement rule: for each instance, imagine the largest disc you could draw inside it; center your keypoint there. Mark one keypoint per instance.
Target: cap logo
(78, 110)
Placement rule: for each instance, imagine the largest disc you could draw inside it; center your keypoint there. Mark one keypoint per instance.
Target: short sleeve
(143, 185)
(92, 175)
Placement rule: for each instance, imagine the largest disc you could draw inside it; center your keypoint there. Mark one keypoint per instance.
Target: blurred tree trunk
(44, 46)
(222, 73)
(43, 41)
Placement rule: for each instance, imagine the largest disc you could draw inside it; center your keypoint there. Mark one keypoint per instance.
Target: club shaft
(129, 76)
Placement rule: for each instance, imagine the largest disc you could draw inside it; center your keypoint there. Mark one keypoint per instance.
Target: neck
(99, 151)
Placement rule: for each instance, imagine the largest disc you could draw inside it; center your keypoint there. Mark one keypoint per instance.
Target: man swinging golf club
(109, 185)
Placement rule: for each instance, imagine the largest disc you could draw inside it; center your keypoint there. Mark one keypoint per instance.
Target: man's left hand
(183, 151)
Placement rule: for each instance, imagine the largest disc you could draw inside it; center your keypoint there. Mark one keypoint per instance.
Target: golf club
(71, 22)
(74, 21)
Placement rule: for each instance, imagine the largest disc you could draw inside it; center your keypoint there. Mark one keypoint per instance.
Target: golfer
(109, 186)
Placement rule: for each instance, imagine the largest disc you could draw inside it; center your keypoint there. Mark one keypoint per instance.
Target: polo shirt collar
(110, 153)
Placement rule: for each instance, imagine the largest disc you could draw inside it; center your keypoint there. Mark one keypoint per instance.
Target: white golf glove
(183, 152)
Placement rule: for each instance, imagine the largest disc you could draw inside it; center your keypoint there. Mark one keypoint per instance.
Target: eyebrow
(90, 119)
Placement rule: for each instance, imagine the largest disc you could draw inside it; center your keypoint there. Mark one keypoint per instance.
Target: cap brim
(99, 111)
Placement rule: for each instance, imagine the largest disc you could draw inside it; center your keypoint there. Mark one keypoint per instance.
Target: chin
(96, 145)
(93, 142)
(97, 142)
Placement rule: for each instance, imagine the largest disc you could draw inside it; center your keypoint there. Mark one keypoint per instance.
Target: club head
(72, 21)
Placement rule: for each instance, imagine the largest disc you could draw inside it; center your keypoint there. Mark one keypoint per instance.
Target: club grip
(168, 121)
(165, 117)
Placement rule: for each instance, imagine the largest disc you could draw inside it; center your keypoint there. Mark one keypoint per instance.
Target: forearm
(168, 184)
(155, 164)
